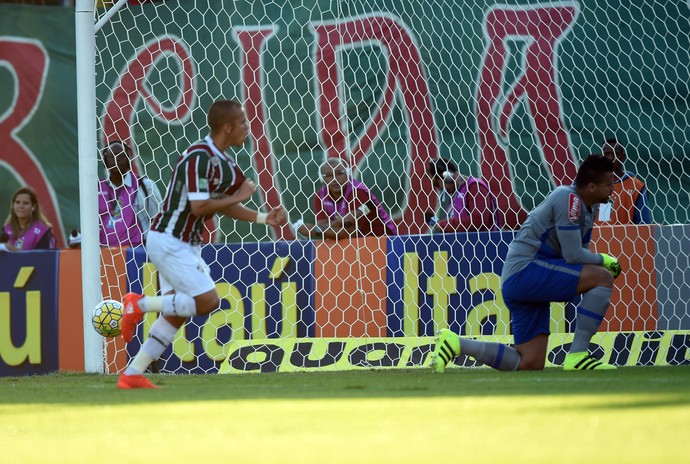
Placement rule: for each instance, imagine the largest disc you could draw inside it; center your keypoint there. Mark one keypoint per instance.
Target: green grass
(636, 414)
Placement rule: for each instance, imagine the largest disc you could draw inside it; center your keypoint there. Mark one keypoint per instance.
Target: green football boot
(447, 348)
(583, 361)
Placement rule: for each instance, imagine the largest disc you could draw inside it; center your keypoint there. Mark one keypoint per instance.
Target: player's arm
(567, 210)
(609, 262)
(211, 205)
(571, 246)
(574, 252)
(276, 217)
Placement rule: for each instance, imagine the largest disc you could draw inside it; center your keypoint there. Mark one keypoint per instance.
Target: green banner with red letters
(516, 93)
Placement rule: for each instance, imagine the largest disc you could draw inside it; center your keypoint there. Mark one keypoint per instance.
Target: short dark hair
(592, 170)
(221, 112)
(125, 146)
(438, 166)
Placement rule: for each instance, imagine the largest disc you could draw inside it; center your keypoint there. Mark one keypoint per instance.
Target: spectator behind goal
(630, 202)
(345, 207)
(26, 228)
(470, 205)
(126, 202)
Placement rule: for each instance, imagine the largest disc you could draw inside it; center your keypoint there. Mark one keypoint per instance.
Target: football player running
(205, 181)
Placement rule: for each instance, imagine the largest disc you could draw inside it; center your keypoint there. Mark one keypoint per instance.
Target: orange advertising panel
(634, 299)
(350, 288)
(70, 317)
(71, 328)
(113, 287)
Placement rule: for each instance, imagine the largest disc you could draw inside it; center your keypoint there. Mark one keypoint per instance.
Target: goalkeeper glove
(612, 265)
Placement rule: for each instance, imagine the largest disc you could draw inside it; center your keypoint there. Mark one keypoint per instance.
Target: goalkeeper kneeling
(549, 261)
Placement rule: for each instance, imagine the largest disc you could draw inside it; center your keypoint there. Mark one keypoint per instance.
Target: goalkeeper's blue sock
(590, 313)
(496, 355)
(161, 336)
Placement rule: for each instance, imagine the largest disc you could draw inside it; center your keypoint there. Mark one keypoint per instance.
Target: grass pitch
(635, 414)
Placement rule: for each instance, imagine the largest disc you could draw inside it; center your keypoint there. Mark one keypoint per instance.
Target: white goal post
(88, 178)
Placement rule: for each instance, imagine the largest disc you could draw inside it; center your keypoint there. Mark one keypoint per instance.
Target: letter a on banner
(542, 29)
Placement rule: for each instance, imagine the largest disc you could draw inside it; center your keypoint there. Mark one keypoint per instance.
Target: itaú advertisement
(266, 291)
(376, 302)
(28, 313)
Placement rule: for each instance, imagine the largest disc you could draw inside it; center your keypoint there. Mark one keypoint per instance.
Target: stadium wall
(280, 310)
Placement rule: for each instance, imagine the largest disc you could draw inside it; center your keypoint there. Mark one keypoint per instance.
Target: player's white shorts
(180, 266)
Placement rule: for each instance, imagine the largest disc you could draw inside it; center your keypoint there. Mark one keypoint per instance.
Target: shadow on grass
(667, 386)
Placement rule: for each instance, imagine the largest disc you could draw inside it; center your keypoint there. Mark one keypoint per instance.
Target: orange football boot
(134, 381)
(131, 316)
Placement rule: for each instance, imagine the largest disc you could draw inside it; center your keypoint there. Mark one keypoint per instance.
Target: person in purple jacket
(471, 207)
(345, 207)
(126, 202)
(26, 228)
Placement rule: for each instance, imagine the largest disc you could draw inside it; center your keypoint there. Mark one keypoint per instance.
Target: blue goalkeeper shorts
(528, 294)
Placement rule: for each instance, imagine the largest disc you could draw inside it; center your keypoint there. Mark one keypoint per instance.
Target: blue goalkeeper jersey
(559, 228)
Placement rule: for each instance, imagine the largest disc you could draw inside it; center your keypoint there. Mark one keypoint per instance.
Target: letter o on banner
(262, 358)
(376, 355)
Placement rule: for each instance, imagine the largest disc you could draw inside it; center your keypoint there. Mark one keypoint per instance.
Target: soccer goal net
(516, 95)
